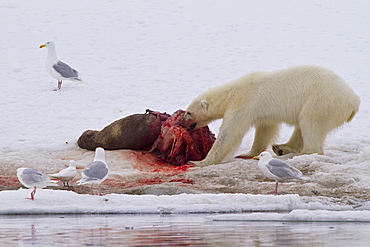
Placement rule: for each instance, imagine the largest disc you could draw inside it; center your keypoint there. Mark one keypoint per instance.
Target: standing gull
(32, 178)
(96, 172)
(277, 170)
(58, 69)
(66, 174)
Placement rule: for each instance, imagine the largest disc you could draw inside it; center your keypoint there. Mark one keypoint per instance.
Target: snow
(160, 55)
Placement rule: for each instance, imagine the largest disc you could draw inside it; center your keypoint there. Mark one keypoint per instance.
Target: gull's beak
(256, 158)
(42, 46)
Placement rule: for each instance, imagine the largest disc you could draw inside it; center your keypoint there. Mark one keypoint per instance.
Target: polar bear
(313, 99)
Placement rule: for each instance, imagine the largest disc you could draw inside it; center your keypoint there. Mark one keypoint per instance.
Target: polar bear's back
(312, 88)
(286, 93)
(300, 78)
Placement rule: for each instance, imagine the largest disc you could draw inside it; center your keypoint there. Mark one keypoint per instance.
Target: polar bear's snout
(188, 122)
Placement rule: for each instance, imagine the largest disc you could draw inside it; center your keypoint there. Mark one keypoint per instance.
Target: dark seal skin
(137, 131)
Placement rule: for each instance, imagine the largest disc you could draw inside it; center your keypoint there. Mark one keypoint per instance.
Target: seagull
(58, 69)
(277, 170)
(32, 178)
(66, 174)
(96, 172)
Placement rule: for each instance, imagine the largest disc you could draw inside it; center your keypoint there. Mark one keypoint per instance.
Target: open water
(173, 230)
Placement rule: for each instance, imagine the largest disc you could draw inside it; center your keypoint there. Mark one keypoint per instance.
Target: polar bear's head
(196, 115)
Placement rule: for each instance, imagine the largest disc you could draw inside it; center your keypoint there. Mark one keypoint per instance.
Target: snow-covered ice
(55, 202)
(160, 55)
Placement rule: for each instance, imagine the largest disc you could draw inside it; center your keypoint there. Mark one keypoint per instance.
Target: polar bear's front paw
(199, 163)
(244, 156)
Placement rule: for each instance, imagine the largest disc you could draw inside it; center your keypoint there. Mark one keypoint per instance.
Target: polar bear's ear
(204, 104)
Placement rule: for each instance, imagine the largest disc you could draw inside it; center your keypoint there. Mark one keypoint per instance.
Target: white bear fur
(313, 99)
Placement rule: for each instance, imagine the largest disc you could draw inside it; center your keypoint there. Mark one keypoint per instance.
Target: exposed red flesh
(176, 145)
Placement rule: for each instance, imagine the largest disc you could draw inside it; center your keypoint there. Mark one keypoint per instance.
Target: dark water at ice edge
(173, 230)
